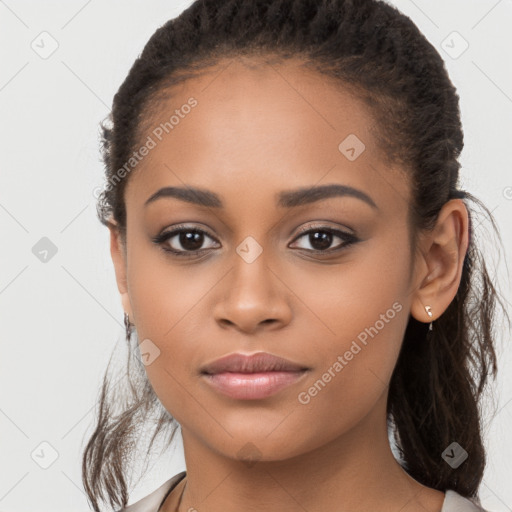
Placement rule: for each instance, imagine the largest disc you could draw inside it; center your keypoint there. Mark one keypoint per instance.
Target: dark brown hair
(379, 54)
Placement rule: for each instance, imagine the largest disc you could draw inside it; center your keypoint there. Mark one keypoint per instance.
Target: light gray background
(61, 319)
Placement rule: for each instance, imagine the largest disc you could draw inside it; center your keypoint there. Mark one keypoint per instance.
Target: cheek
(345, 299)
(168, 303)
(359, 314)
(163, 292)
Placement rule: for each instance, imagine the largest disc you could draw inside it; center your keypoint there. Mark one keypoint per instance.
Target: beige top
(453, 501)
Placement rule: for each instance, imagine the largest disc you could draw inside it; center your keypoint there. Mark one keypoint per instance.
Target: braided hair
(380, 55)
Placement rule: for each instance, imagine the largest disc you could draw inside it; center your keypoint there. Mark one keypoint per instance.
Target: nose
(253, 297)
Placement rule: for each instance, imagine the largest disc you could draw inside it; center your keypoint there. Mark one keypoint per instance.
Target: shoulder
(454, 502)
(152, 502)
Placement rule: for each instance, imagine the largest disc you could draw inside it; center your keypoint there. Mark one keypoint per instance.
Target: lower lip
(252, 386)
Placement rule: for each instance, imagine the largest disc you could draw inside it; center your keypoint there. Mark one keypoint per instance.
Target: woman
(296, 264)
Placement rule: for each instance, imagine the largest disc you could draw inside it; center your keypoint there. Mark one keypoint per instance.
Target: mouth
(253, 386)
(252, 377)
(253, 363)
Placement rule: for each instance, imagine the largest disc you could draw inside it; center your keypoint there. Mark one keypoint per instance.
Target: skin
(258, 130)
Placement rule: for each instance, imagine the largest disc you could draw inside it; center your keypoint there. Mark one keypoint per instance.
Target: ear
(118, 253)
(442, 257)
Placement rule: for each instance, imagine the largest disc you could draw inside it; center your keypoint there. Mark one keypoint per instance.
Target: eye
(320, 239)
(188, 241)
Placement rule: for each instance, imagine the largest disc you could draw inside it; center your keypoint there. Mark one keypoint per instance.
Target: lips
(260, 362)
(252, 377)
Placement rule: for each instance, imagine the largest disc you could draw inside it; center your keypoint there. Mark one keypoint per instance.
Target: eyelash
(160, 239)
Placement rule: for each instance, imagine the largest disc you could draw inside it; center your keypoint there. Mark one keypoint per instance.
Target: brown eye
(190, 240)
(183, 241)
(320, 239)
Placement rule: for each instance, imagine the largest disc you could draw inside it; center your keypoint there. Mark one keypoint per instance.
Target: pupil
(191, 240)
(323, 241)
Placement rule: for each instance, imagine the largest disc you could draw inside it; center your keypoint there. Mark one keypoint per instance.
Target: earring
(429, 313)
(127, 325)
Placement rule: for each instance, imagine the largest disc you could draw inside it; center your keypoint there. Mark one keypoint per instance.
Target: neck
(354, 472)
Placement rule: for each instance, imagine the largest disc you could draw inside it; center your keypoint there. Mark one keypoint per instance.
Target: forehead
(257, 126)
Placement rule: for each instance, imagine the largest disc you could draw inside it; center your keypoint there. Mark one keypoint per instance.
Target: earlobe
(118, 254)
(443, 254)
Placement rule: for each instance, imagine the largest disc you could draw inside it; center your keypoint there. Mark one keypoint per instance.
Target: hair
(378, 53)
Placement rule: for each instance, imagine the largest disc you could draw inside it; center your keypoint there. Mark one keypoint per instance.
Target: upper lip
(259, 362)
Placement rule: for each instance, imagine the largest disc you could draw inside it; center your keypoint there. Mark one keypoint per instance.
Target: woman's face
(252, 137)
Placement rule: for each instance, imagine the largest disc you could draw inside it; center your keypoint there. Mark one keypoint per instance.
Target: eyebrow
(285, 199)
